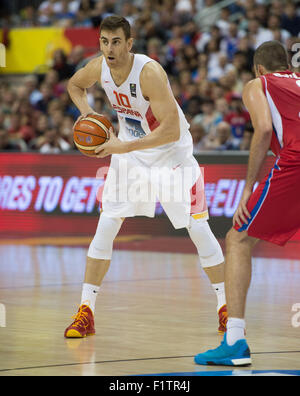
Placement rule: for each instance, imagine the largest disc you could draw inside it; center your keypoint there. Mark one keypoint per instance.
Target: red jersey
(282, 90)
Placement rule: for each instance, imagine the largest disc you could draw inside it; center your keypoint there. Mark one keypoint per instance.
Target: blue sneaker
(236, 355)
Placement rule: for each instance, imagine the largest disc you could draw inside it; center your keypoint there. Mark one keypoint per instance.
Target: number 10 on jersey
(122, 99)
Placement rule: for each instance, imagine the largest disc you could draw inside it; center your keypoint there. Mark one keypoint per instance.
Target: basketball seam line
(88, 133)
(87, 148)
(97, 122)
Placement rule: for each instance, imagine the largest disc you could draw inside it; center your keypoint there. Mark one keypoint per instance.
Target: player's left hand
(112, 146)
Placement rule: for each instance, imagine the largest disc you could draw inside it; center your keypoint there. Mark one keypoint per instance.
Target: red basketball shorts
(275, 205)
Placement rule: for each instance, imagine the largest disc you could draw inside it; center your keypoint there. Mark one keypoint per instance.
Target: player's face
(115, 47)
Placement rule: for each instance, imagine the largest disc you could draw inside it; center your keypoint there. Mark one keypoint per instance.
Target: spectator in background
(66, 130)
(154, 50)
(244, 47)
(221, 68)
(278, 33)
(204, 38)
(8, 143)
(239, 61)
(31, 83)
(222, 107)
(28, 16)
(261, 14)
(68, 106)
(191, 33)
(207, 16)
(76, 57)
(52, 142)
(129, 11)
(60, 64)
(52, 80)
(220, 140)
(8, 99)
(192, 106)
(258, 34)
(237, 118)
(85, 13)
(47, 95)
(229, 83)
(230, 42)
(46, 12)
(189, 54)
(209, 117)
(290, 21)
(213, 52)
(247, 137)
(42, 125)
(223, 22)
(277, 7)
(198, 134)
(185, 6)
(20, 128)
(65, 14)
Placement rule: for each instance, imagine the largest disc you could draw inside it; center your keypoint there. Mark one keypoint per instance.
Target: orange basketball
(90, 132)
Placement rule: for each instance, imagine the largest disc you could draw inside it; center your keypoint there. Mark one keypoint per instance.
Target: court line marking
(127, 360)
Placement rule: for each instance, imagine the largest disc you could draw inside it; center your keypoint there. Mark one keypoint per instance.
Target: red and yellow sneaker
(83, 324)
(223, 318)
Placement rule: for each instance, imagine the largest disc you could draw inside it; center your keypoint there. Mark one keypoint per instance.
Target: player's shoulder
(152, 69)
(93, 67)
(252, 85)
(95, 62)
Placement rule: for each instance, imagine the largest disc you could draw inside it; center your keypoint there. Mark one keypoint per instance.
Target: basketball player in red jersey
(272, 211)
(153, 132)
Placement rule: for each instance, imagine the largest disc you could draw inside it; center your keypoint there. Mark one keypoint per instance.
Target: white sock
(219, 288)
(235, 330)
(89, 295)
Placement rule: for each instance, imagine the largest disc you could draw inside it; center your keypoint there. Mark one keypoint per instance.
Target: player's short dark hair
(115, 22)
(272, 55)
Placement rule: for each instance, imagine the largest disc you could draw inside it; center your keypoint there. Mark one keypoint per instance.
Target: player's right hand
(242, 214)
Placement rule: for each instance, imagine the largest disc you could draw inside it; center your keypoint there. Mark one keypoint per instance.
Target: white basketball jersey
(136, 119)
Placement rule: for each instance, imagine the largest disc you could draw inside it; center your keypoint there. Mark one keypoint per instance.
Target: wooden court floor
(155, 311)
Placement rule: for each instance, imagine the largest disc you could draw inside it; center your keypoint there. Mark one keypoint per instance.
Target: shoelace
(81, 317)
(223, 318)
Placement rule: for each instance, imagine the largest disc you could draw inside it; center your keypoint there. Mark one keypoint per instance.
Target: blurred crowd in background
(206, 51)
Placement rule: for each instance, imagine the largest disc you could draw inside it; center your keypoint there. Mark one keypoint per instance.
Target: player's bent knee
(235, 238)
(209, 249)
(102, 243)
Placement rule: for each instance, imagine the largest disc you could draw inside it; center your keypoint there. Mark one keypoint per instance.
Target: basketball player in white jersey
(153, 132)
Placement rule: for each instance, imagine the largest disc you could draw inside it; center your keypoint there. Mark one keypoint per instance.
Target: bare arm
(155, 88)
(80, 81)
(257, 105)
